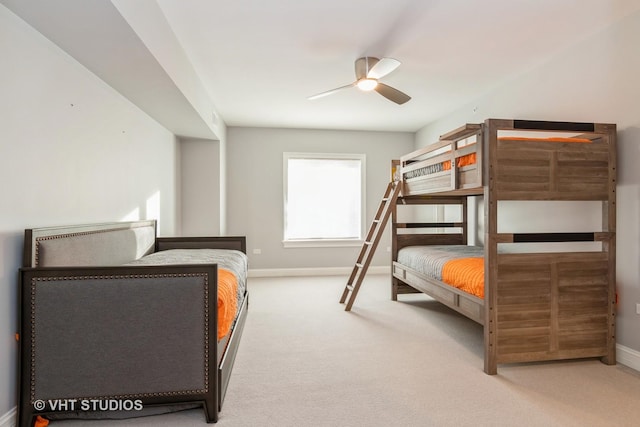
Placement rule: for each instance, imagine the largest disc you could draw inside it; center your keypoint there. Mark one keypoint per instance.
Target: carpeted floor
(304, 361)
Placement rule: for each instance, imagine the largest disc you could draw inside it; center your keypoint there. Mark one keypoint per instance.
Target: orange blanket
(227, 302)
(466, 274)
(466, 160)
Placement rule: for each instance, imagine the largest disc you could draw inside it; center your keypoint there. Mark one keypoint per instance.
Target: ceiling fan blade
(392, 94)
(329, 92)
(382, 67)
(364, 65)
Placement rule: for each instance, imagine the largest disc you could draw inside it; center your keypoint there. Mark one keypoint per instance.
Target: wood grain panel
(584, 322)
(468, 177)
(522, 344)
(471, 309)
(583, 340)
(551, 171)
(434, 184)
(428, 239)
(583, 304)
(552, 306)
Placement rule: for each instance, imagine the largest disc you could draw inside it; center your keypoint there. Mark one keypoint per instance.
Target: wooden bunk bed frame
(536, 306)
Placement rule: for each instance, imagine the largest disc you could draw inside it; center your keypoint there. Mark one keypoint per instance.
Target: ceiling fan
(368, 72)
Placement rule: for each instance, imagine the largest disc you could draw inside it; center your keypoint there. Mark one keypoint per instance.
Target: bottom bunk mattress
(232, 277)
(459, 266)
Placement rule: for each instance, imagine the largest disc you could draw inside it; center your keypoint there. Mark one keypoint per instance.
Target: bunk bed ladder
(370, 244)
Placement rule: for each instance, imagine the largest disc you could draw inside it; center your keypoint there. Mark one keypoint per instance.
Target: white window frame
(324, 242)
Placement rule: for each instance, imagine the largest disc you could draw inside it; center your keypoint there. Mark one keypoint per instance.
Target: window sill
(322, 243)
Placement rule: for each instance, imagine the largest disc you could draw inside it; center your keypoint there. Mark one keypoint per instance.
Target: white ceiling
(259, 60)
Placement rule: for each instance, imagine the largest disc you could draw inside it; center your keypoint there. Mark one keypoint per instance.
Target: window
(323, 199)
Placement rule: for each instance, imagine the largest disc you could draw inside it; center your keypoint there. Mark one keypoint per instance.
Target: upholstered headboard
(105, 244)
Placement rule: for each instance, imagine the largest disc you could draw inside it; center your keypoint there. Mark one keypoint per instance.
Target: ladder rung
(350, 288)
(359, 265)
(367, 243)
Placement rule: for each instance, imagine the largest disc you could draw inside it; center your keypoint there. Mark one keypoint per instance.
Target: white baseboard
(323, 271)
(628, 357)
(10, 418)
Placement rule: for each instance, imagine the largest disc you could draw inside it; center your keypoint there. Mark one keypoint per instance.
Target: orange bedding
(466, 274)
(469, 159)
(227, 302)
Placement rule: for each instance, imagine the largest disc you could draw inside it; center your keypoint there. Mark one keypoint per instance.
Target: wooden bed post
(609, 245)
(394, 249)
(490, 141)
(465, 227)
(395, 165)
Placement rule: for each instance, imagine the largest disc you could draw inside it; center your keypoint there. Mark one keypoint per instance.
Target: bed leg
(25, 418)
(211, 411)
(394, 289)
(490, 368)
(490, 362)
(490, 356)
(610, 358)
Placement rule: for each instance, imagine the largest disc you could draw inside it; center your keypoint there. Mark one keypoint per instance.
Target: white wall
(147, 19)
(72, 151)
(596, 81)
(255, 189)
(200, 187)
(222, 143)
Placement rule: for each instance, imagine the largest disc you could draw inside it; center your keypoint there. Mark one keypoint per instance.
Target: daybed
(116, 322)
(535, 304)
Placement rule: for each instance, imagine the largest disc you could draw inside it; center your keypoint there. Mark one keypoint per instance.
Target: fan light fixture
(367, 84)
(369, 71)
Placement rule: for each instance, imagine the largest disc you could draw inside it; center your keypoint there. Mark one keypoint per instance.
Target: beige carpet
(304, 361)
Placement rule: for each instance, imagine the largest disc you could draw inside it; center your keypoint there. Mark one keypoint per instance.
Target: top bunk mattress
(457, 265)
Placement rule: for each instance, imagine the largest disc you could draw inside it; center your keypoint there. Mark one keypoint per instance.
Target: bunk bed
(534, 305)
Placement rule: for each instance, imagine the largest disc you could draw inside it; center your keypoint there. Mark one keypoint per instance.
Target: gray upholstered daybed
(116, 322)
